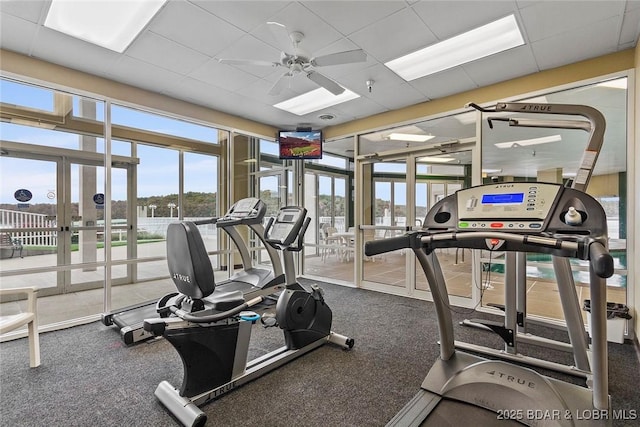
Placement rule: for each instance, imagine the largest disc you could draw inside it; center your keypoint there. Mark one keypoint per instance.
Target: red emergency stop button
(495, 242)
(497, 225)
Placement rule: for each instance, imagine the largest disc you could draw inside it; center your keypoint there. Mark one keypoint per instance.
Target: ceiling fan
(300, 62)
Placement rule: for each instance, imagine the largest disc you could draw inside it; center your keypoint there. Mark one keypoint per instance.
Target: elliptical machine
(208, 331)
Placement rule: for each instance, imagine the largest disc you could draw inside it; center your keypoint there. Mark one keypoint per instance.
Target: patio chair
(30, 318)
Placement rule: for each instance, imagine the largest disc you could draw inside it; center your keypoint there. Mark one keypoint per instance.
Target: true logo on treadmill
(532, 107)
(182, 277)
(512, 379)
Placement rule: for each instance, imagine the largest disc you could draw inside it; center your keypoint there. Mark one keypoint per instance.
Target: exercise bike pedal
(269, 320)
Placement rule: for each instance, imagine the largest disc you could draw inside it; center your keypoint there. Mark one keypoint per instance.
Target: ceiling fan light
(489, 39)
(315, 100)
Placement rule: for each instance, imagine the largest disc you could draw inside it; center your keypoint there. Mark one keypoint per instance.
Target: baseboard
(636, 345)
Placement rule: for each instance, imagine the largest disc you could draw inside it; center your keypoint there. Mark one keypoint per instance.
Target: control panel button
(535, 225)
(496, 225)
(463, 224)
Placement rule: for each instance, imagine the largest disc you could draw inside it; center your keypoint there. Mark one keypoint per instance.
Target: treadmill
(252, 281)
(465, 388)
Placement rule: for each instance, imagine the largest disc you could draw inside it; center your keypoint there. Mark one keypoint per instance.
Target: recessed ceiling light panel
(315, 100)
(107, 23)
(525, 142)
(494, 37)
(410, 137)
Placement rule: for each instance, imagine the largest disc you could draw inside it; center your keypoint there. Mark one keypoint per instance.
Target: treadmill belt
(455, 414)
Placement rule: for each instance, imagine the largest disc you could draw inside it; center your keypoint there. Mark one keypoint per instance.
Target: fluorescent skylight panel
(107, 23)
(525, 142)
(315, 100)
(494, 37)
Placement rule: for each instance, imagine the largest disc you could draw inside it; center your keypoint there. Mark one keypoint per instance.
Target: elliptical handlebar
(299, 245)
(206, 221)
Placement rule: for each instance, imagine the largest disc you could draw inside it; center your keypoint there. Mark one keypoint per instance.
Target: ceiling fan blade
(281, 83)
(248, 62)
(325, 82)
(346, 57)
(281, 35)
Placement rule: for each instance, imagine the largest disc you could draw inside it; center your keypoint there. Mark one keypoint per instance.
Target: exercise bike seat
(223, 301)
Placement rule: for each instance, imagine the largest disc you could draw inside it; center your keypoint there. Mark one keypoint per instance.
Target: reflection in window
(390, 168)
(269, 147)
(331, 161)
(554, 155)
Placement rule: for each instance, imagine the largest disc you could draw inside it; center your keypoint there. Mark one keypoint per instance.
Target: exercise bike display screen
(502, 199)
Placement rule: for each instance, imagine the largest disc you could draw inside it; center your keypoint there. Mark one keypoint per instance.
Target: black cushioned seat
(191, 270)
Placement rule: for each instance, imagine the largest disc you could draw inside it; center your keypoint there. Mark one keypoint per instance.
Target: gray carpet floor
(89, 377)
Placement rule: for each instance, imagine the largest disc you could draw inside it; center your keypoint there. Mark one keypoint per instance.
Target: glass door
(404, 186)
(56, 218)
(31, 205)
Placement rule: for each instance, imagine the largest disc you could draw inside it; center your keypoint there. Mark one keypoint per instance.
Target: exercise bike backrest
(189, 264)
(289, 226)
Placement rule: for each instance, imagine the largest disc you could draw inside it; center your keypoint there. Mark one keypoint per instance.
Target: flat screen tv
(301, 145)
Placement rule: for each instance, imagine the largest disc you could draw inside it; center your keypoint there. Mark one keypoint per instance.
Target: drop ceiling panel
(502, 66)
(444, 83)
(192, 26)
(630, 28)
(450, 18)
(27, 10)
(358, 108)
(16, 33)
(246, 15)
(384, 44)
(598, 38)
(155, 49)
(192, 89)
(222, 75)
(350, 16)
(551, 18)
(142, 74)
(70, 52)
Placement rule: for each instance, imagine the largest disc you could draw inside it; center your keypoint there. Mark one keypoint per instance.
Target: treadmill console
(284, 230)
(519, 207)
(245, 211)
(508, 206)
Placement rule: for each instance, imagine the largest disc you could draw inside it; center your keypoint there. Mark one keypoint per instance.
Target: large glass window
(52, 196)
(552, 154)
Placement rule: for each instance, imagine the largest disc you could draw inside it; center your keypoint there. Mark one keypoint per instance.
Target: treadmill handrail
(596, 129)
